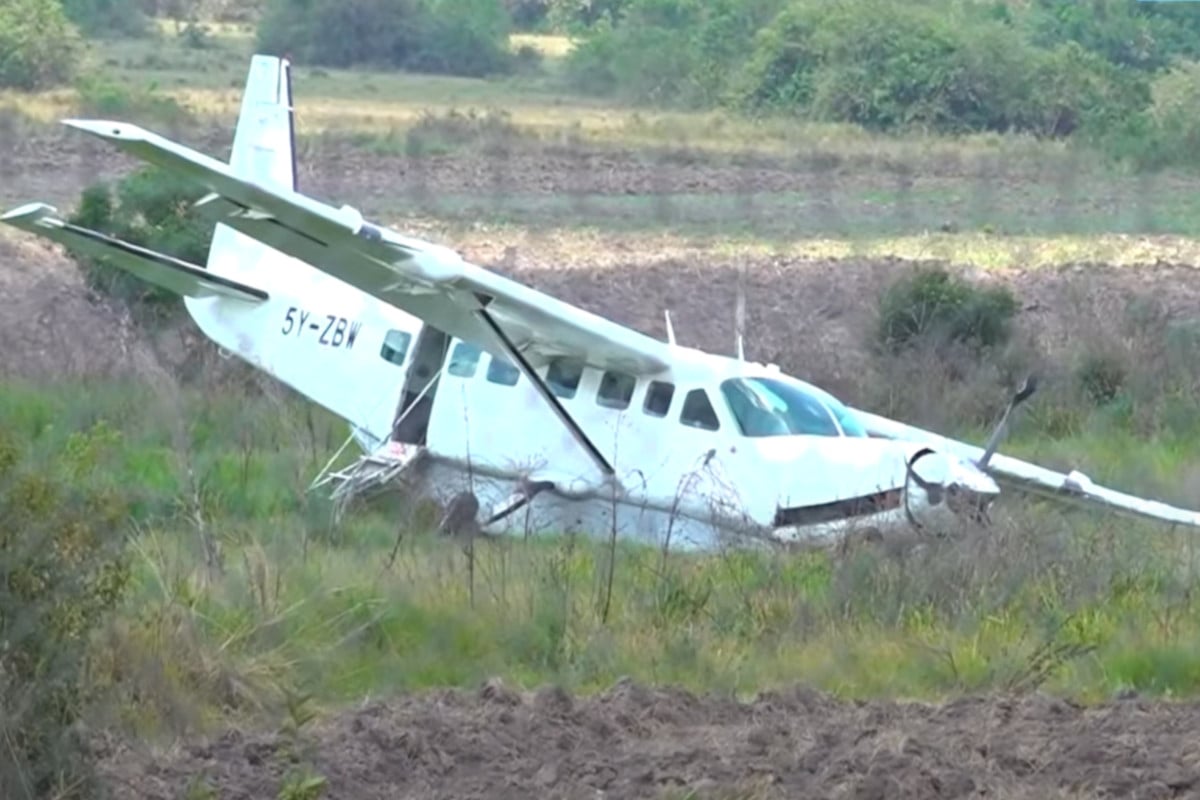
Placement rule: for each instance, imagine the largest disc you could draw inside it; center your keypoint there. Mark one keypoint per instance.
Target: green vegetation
(933, 303)
(108, 18)
(453, 37)
(241, 595)
(63, 568)
(39, 47)
(1050, 68)
(152, 208)
(1107, 74)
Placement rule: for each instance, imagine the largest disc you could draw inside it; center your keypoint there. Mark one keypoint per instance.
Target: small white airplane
(460, 383)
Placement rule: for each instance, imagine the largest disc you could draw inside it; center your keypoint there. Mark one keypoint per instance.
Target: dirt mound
(54, 326)
(635, 742)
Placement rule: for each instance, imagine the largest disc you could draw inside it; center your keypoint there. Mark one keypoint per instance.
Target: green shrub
(39, 47)
(1101, 375)
(952, 68)
(62, 569)
(671, 52)
(108, 18)
(98, 96)
(462, 37)
(580, 15)
(152, 208)
(887, 66)
(528, 15)
(933, 303)
(457, 37)
(1124, 33)
(1167, 133)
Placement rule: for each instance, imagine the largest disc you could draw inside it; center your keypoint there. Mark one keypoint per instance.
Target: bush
(886, 66)
(462, 37)
(1124, 33)
(108, 18)
(933, 303)
(672, 52)
(580, 15)
(1167, 133)
(152, 208)
(952, 68)
(456, 37)
(39, 47)
(101, 98)
(62, 569)
(528, 15)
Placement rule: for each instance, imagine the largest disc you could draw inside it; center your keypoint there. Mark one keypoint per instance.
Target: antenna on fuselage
(739, 314)
(670, 329)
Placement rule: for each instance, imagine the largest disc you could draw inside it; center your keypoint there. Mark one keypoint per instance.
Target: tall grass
(1072, 603)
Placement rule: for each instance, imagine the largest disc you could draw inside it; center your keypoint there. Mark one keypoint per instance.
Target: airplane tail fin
(264, 142)
(264, 151)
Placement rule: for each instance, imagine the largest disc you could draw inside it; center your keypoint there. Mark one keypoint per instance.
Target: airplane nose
(966, 490)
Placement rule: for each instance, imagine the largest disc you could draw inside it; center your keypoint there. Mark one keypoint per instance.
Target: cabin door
(420, 385)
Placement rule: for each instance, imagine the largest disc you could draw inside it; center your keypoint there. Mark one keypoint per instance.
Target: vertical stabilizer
(264, 143)
(264, 151)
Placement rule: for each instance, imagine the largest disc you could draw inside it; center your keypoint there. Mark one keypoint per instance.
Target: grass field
(1068, 603)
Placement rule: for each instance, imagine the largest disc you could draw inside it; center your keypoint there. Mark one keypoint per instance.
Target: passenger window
(503, 372)
(616, 390)
(658, 398)
(698, 411)
(464, 360)
(395, 347)
(563, 376)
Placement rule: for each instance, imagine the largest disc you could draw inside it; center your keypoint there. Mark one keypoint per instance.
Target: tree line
(1115, 73)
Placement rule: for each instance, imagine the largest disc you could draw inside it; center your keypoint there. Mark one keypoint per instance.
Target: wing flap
(427, 280)
(160, 269)
(1021, 475)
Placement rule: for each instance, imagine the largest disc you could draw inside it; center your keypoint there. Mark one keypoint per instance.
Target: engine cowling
(942, 491)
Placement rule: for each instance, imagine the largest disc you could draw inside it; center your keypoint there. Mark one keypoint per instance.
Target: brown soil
(811, 316)
(54, 163)
(635, 742)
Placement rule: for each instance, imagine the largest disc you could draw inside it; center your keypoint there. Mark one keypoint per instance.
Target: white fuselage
(488, 429)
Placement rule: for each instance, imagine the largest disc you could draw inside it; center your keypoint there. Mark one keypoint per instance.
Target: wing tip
(106, 128)
(28, 214)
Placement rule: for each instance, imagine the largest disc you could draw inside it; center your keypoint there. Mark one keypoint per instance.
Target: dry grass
(570, 248)
(209, 82)
(549, 45)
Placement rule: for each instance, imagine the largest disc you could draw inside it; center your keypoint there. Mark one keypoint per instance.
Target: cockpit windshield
(776, 407)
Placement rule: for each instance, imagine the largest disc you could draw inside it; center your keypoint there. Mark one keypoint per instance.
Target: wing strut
(547, 395)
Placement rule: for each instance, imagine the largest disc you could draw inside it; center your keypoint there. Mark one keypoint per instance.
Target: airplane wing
(160, 269)
(427, 280)
(1023, 476)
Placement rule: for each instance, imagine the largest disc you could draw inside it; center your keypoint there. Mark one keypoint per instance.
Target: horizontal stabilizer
(160, 269)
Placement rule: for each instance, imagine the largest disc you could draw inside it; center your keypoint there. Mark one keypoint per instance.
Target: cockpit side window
(698, 411)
